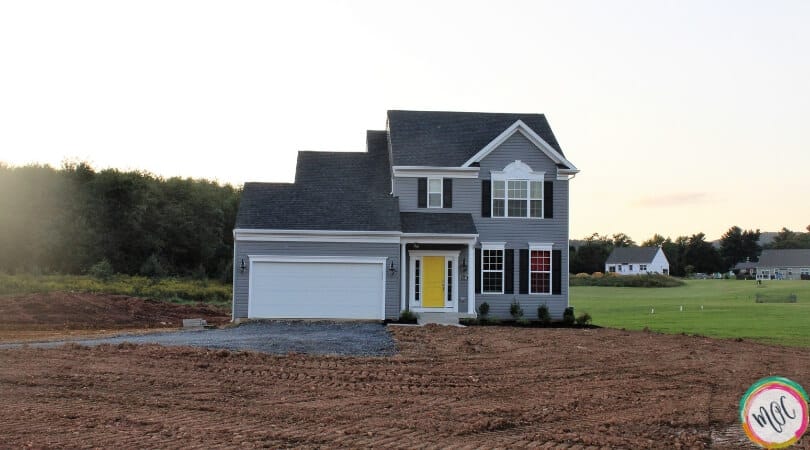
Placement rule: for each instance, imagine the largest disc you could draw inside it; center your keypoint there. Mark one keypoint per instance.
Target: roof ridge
(468, 112)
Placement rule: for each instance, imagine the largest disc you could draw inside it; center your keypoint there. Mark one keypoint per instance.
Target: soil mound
(83, 311)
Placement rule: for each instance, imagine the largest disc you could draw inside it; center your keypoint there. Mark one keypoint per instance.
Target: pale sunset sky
(683, 116)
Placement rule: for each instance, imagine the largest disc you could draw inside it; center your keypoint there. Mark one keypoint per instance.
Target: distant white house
(637, 260)
(784, 264)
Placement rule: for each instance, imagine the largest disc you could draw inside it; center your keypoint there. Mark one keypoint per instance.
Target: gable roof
(784, 258)
(624, 255)
(440, 223)
(745, 265)
(332, 191)
(449, 139)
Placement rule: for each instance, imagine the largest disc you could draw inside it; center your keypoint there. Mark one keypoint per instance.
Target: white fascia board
(534, 138)
(540, 245)
(318, 259)
(435, 171)
(386, 237)
(425, 238)
(566, 174)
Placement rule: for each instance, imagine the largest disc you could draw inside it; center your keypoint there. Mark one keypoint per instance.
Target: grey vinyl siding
(244, 248)
(466, 194)
(516, 233)
(788, 272)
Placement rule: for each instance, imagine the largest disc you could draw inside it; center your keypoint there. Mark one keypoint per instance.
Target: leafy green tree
(656, 241)
(591, 255)
(675, 251)
(737, 245)
(787, 239)
(702, 255)
(623, 240)
(67, 220)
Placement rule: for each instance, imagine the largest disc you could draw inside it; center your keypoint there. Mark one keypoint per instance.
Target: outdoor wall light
(463, 269)
(242, 266)
(392, 268)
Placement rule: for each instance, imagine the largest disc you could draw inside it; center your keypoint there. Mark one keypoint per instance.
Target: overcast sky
(683, 116)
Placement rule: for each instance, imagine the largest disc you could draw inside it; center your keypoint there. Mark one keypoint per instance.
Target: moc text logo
(774, 412)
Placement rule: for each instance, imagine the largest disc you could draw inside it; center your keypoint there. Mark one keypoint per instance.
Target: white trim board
(388, 237)
(528, 133)
(431, 171)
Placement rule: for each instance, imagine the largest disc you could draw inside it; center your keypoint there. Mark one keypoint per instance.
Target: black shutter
(478, 271)
(486, 201)
(548, 199)
(556, 272)
(523, 267)
(509, 271)
(421, 193)
(447, 195)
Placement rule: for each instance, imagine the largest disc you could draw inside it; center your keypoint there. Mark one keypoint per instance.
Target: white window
(435, 192)
(492, 269)
(805, 271)
(612, 269)
(642, 267)
(631, 267)
(540, 270)
(517, 198)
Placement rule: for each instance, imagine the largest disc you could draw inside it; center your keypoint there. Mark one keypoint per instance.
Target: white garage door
(317, 289)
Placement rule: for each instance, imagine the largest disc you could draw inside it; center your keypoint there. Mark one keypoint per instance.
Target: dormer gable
(444, 140)
(564, 166)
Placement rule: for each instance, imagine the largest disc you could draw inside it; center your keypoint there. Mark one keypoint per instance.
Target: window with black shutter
(421, 193)
(509, 272)
(486, 199)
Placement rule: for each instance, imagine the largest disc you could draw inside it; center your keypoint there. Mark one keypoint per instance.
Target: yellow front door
(433, 282)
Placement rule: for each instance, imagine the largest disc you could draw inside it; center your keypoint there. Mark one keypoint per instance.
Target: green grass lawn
(728, 309)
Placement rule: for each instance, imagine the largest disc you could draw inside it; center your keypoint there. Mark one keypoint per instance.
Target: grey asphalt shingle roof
(623, 255)
(333, 191)
(449, 139)
(745, 265)
(784, 258)
(438, 223)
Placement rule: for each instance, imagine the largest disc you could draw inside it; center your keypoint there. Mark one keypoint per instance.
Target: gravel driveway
(339, 338)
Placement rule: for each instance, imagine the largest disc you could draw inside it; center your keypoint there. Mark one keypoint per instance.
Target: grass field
(716, 308)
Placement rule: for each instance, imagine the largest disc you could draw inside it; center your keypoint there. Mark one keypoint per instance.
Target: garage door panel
(288, 290)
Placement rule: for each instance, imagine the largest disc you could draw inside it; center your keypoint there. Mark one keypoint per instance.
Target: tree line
(69, 219)
(687, 254)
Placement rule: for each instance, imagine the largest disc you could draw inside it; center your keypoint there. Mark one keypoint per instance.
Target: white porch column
(402, 276)
(471, 277)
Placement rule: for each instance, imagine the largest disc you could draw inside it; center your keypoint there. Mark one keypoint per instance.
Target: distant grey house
(442, 212)
(784, 265)
(637, 260)
(745, 269)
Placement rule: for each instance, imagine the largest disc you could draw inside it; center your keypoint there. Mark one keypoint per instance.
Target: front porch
(437, 282)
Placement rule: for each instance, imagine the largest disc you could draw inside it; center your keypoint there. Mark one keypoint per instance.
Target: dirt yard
(57, 315)
(449, 387)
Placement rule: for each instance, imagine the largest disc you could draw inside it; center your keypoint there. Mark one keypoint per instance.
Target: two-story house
(444, 211)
